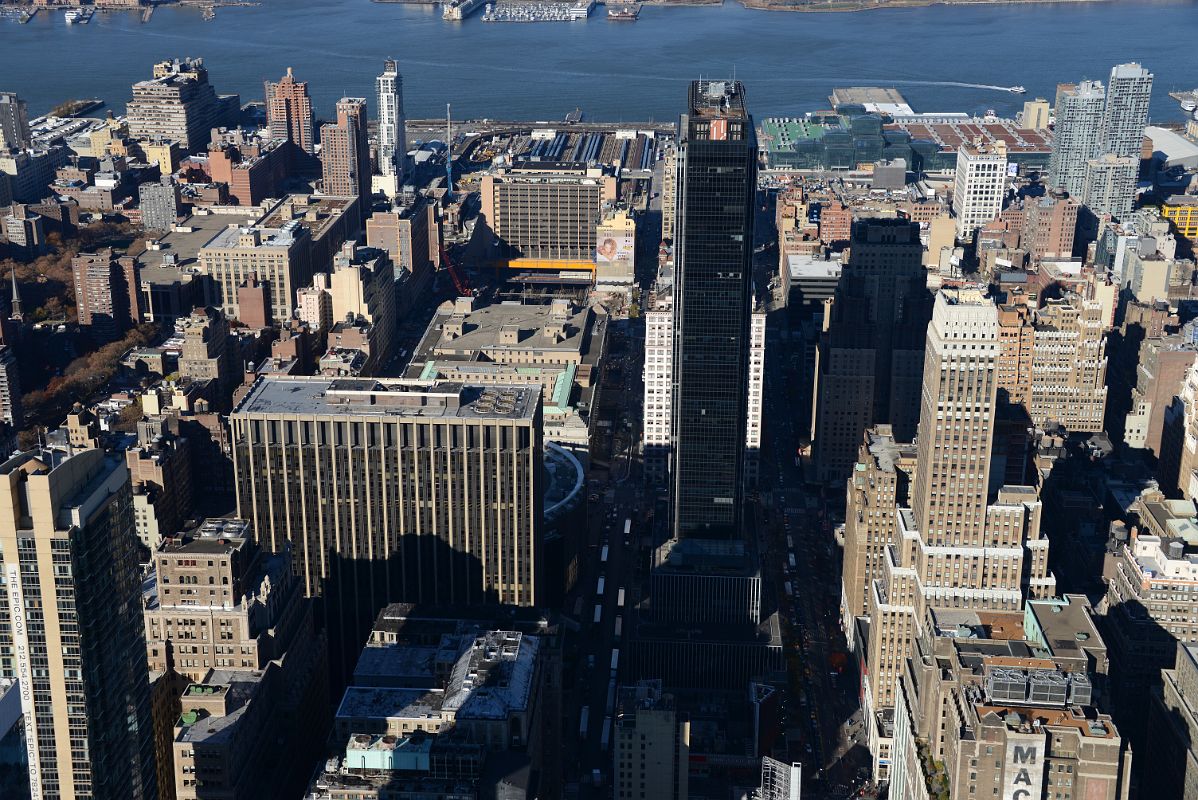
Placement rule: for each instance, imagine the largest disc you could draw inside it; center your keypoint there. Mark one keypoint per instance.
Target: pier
(458, 10)
(538, 12)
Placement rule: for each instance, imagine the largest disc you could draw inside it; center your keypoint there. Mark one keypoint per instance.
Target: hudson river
(941, 57)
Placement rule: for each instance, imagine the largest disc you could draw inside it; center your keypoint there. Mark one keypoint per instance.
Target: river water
(940, 57)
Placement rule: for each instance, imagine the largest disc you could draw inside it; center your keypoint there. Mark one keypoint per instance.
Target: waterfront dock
(458, 10)
(538, 12)
(1188, 100)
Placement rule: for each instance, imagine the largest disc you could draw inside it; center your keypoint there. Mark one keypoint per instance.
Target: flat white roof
(1178, 150)
(811, 267)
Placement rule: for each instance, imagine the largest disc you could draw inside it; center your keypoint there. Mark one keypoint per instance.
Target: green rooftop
(780, 133)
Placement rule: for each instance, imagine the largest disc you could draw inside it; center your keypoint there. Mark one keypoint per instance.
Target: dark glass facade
(717, 181)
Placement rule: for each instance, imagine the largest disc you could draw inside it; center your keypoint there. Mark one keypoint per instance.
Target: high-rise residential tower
(179, 104)
(107, 291)
(74, 624)
(289, 112)
(14, 122)
(1111, 184)
(160, 205)
(1077, 136)
(717, 181)
(870, 360)
(1129, 91)
(393, 137)
(345, 153)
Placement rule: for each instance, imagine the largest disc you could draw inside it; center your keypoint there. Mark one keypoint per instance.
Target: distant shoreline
(837, 7)
(822, 7)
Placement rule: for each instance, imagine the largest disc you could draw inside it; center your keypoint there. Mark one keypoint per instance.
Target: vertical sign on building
(1023, 778)
(719, 130)
(20, 642)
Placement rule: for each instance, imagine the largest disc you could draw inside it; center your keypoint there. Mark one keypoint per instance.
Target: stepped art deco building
(956, 542)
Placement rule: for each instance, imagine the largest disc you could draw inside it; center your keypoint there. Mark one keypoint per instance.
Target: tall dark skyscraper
(710, 625)
(717, 179)
(869, 367)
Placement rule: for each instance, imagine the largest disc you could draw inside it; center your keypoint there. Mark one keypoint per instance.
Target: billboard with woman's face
(614, 252)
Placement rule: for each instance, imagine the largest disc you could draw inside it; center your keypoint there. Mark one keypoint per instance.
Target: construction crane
(460, 281)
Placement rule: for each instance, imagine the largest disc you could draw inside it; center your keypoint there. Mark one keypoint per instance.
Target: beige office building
(956, 546)
(411, 234)
(651, 745)
(232, 622)
(544, 221)
(669, 194)
(1035, 115)
(393, 492)
(206, 348)
(1151, 582)
(1007, 704)
(1069, 365)
(72, 627)
(160, 473)
(279, 257)
(559, 346)
(1179, 439)
(615, 248)
(1016, 337)
(362, 290)
(979, 187)
(878, 485)
(1052, 360)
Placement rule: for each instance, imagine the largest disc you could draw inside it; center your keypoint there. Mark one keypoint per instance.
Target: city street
(822, 717)
(614, 499)
(822, 712)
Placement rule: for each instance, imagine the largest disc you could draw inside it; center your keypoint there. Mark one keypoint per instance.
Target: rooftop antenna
(448, 153)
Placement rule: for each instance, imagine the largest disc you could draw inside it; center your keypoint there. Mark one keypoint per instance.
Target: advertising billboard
(615, 248)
